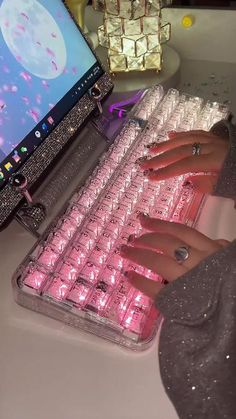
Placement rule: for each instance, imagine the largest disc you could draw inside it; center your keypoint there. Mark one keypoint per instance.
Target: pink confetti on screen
(18, 58)
(39, 99)
(50, 52)
(14, 89)
(6, 24)
(74, 70)
(6, 88)
(6, 69)
(54, 65)
(26, 100)
(45, 84)
(1, 122)
(1, 141)
(26, 76)
(65, 71)
(2, 105)
(34, 114)
(20, 27)
(24, 15)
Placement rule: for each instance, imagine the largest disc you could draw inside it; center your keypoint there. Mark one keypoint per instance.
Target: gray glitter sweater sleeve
(226, 185)
(197, 348)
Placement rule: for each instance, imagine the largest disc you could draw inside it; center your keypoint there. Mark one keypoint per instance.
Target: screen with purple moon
(45, 67)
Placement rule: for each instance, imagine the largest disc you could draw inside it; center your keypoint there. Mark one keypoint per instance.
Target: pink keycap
(98, 298)
(119, 302)
(79, 294)
(58, 289)
(141, 300)
(90, 272)
(35, 279)
(98, 256)
(58, 241)
(48, 257)
(67, 227)
(77, 254)
(134, 319)
(75, 214)
(67, 271)
(110, 275)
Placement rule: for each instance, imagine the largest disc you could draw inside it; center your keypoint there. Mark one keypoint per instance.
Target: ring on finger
(196, 149)
(182, 253)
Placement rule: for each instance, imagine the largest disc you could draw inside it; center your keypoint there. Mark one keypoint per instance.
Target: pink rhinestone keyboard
(74, 272)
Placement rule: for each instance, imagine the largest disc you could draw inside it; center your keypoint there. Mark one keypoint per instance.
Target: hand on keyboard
(187, 152)
(170, 250)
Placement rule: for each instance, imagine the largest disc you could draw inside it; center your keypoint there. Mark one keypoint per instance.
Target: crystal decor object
(132, 32)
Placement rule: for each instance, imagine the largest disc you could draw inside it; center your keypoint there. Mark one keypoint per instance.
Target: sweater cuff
(226, 184)
(193, 297)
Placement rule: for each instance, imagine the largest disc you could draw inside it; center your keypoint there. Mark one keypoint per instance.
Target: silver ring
(182, 254)
(196, 149)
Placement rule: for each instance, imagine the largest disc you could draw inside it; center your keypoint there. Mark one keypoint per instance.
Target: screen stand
(37, 212)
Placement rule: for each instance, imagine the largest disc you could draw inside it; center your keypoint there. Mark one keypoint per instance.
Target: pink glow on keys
(94, 227)
(67, 271)
(98, 256)
(58, 241)
(35, 278)
(142, 300)
(110, 275)
(79, 294)
(58, 289)
(86, 200)
(98, 298)
(67, 227)
(134, 320)
(116, 260)
(90, 272)
(119, 302)
(77, 254)
(86, 240)
(48, 257)
(75, 214)
(102, 213)
(106, 241)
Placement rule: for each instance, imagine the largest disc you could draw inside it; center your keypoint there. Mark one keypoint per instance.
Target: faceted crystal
(153, 8)
(115, 43)
(132, 27)
(117, 62)
(129, 47)
(152, 61)
(165, 33)
(113, 26)
(141, 46)
(132, 9)
(112, 7)
(151, 25)
(154, 43)
(135, 63)
(103, 39)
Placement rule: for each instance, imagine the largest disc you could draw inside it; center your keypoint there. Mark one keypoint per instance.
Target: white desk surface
(52, 371)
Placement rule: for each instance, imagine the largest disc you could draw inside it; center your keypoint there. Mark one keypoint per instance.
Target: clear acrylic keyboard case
(74, 272)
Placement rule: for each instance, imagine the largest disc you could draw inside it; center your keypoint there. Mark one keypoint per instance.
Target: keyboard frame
(86, 320)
